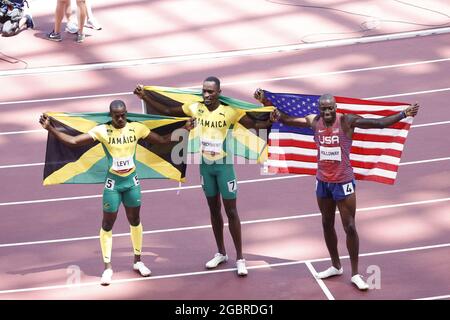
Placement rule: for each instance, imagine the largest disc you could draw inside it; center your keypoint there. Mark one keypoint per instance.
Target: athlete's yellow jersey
(120, 145)
(213, 127)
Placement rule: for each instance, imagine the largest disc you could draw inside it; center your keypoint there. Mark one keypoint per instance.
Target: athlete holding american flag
(335, 184)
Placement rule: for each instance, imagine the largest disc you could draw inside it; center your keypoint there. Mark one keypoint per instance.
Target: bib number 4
(348, 188)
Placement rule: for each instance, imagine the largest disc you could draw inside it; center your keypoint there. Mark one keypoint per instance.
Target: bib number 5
(109, 184)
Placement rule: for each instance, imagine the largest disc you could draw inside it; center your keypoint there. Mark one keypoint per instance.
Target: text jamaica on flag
(88, 164)
(243, 142)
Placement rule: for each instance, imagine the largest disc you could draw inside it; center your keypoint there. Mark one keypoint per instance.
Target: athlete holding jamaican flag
(213, 119)
(119, 139)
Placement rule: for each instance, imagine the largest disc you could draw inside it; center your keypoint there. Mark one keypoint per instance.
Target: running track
(404, 229)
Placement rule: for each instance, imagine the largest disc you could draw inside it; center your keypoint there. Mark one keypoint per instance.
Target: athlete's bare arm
(170, 111)
(71, 141)
(356, 121)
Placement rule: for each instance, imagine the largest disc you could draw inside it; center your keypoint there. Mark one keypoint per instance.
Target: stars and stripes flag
(375, 153)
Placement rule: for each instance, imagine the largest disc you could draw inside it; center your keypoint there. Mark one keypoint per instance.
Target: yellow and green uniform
(216, 168)
(122, 184)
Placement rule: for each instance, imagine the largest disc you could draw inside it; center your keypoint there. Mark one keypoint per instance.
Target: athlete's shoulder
(190, 108)
(103, 127)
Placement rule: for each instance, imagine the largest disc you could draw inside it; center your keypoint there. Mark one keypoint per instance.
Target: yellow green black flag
(88, 164)
(244, 142)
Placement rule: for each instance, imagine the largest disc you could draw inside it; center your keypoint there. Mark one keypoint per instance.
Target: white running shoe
(241, 268)
(330, 272)
(218, 259)
(106, 277)
(142, 269)
(93, 24)
(359, 282)
(71, 27)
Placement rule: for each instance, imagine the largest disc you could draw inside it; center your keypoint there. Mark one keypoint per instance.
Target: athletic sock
(136, 238)
(106, 244)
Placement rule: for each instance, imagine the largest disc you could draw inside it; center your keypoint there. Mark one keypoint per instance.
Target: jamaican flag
(88, 163)
(244, 142)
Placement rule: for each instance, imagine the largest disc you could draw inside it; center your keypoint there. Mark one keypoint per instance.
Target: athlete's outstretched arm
(71, 141)
(302, 122)
(280, 116)
(365, 123)
(249, 123)
(170, 111)
(155, 138)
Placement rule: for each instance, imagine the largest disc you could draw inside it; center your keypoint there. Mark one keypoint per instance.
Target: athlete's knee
(328, 224)
(81, 2)
(232, 213)
(134, 220)
(350, 229)
(107, 225)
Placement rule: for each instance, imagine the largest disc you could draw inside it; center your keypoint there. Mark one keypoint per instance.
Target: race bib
(330, 153)
(211, 145)
(348, 188)
(109, 184)
(122, 164)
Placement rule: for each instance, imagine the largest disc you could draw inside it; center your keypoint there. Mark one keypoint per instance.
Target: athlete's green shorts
(218, 177)
(121, 189)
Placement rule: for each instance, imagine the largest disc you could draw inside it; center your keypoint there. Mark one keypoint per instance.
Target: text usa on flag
(375, 153)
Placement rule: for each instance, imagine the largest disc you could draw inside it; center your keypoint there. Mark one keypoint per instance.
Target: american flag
(375, 153)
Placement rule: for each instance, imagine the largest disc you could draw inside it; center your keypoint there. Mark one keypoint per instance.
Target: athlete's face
(210, 93)
(327, 109)
(119, 117)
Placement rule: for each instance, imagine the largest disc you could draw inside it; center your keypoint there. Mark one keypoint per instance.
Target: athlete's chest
(118, 138)
(219, 118)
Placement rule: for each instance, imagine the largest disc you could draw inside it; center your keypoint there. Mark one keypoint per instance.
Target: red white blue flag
(375, 153)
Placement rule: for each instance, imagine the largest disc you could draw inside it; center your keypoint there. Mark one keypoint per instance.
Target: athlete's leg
(347, 209)
(327, 207)
(132, 202)
(211, 190)
(217, 221)
(227, 184)
(234, 225)
(106, 237)
(135, 230)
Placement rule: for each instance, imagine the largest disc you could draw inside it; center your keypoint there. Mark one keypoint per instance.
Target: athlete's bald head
(327, 99)
(117, 104)
(118, 112)
(327, 108)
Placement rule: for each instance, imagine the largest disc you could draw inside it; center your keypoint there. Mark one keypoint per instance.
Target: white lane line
(302, 216)
(45, 131)
(423, 161)
(144, 191)
(435, 298)
(429, 124)
(410, 93)
(179, 275)
(67, 98)
(322, 284)
(21, 132)
(9, 166)
(222, 54)
(250, 81)
(174, 188)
